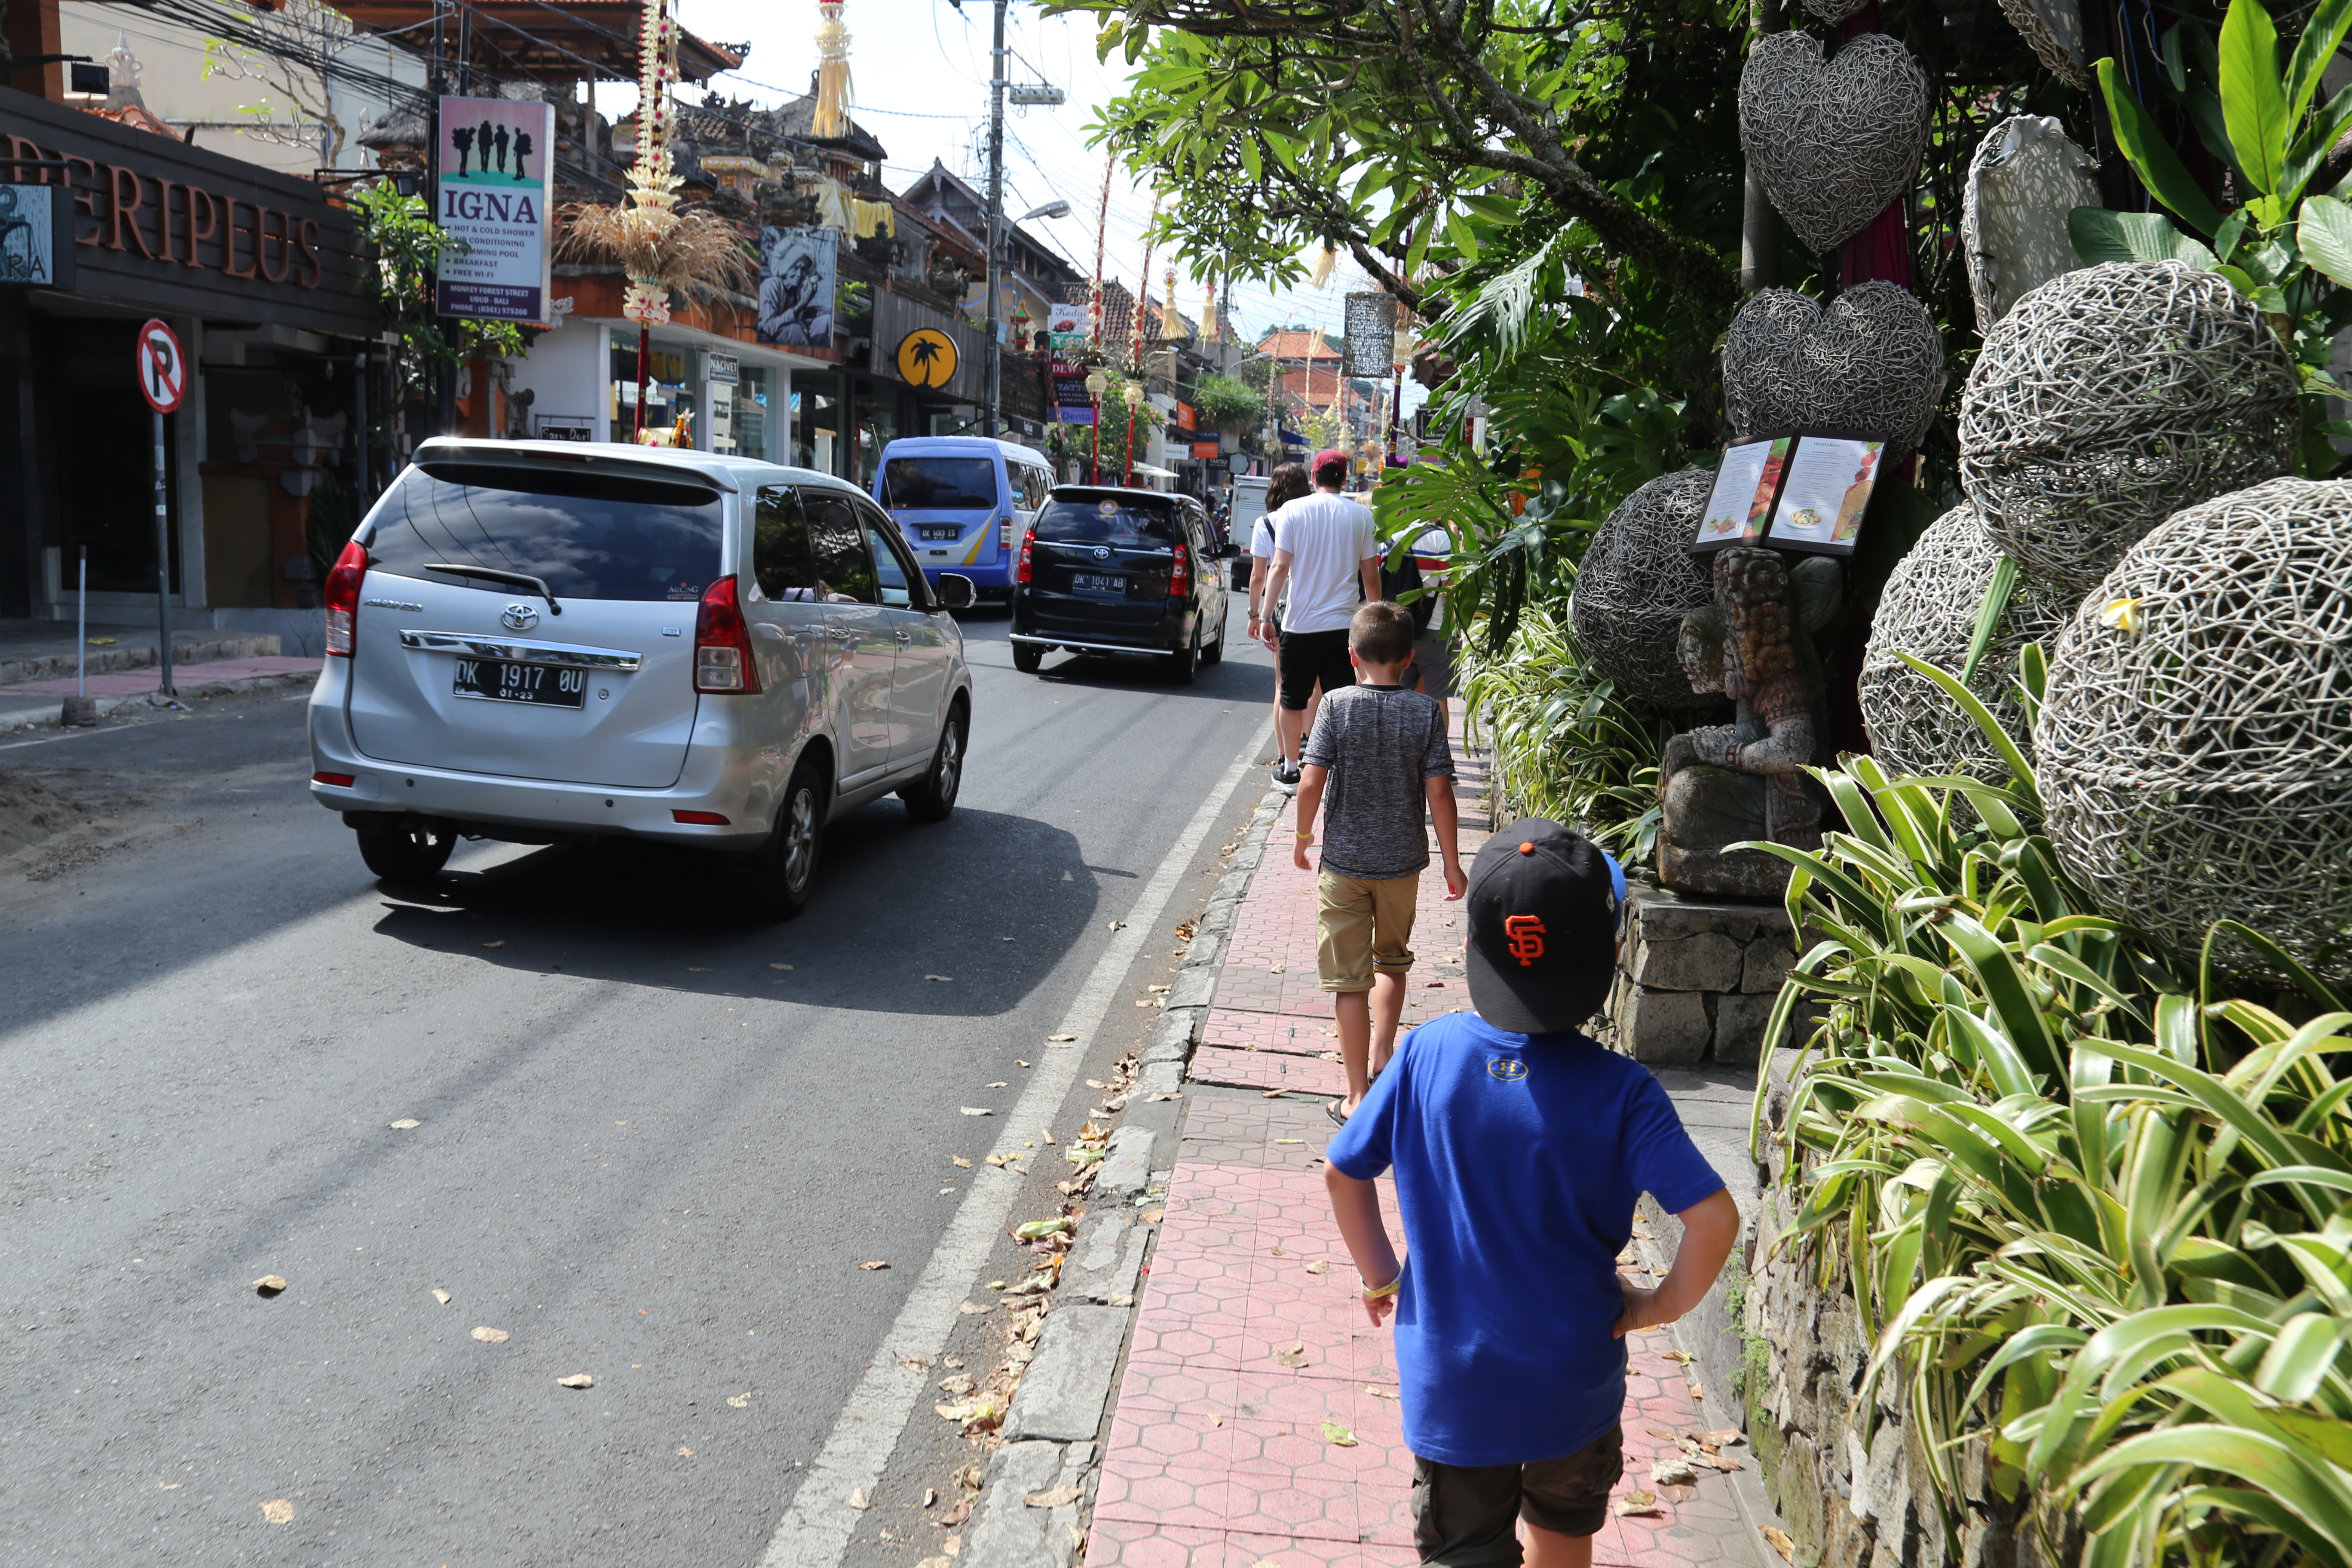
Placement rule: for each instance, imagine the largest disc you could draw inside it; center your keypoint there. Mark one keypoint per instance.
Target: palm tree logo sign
(926, 357)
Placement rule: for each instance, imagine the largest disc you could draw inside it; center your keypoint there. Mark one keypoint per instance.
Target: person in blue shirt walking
(1519, 1147)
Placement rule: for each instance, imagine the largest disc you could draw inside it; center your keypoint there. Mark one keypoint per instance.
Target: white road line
(815, 1530)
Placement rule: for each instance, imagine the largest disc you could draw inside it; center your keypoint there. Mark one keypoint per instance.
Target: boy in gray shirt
(1380, 752)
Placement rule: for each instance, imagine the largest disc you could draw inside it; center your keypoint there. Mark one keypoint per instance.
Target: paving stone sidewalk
(1256, 1418)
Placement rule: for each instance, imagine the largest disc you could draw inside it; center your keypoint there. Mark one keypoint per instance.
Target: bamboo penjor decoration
(658, 247)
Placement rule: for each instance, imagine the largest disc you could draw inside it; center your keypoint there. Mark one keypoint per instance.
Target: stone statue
(1724, 784)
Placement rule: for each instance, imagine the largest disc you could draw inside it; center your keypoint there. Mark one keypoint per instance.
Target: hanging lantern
(832, 116)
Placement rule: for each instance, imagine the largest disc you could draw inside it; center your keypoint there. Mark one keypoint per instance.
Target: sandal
(1331, 1109)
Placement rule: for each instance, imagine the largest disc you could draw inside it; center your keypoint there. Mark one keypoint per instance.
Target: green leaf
(2323, 233)
(2103, 236)
(1995, 603)
(2311, 148)
(2152, 159)
(2253, 98)
(2299, 1359)
(2315, 1494)
(2323, 34)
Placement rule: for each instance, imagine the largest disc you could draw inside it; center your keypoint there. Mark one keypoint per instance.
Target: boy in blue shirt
(1519, 1147)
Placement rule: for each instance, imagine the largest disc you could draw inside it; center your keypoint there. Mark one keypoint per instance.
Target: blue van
(963, 502)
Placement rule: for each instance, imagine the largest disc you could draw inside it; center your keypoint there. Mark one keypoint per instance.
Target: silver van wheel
(800, 829)
(773, 881)
(935, 797)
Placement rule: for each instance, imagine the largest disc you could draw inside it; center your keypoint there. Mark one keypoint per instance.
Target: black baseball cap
(1542, 947)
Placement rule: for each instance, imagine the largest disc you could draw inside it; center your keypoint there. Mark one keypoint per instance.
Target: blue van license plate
(939, 530)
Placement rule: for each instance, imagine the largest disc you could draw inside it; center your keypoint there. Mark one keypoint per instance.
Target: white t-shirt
(1328, 538)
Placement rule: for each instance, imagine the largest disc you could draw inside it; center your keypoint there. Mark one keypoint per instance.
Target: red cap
(1328, 455)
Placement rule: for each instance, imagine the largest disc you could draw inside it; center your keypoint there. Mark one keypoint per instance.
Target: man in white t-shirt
(1328, 551)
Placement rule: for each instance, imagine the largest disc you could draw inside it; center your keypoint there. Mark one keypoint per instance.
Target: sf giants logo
(1527, 934)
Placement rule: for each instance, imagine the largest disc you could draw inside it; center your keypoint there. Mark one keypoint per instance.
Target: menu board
(1747, 480)
(1825, 494)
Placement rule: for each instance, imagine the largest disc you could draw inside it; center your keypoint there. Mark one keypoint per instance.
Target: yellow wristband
(1390, 1289)
(1304, 837)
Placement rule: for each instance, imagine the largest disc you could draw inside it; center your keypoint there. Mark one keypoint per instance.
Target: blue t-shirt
(1517, 1161)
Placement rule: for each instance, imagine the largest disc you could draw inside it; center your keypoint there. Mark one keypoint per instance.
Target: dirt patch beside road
(51, 821)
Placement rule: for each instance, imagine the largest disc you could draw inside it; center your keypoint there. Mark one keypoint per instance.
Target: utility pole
(991, 351)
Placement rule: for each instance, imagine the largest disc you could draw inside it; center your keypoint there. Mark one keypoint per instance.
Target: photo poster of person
(1746, 480)
(493, 164)
(797, 269)
(1830, 482)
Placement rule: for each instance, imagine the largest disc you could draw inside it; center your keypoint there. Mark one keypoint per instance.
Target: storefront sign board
(35, 243)
(491, 197)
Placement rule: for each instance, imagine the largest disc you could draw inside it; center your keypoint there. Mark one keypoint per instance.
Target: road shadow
(989, 901)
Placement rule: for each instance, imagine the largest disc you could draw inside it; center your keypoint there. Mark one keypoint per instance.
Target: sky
(919, 86)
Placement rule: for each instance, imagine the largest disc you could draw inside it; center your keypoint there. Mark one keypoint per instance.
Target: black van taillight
(722, 644)
(1028, 545)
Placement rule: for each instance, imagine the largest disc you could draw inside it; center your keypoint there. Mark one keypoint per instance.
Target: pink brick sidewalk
(1249, 1337)
(134, 682)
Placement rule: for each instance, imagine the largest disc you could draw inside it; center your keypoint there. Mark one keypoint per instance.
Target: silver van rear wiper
(497, 574)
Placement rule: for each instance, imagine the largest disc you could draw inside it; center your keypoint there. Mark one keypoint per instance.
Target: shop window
(816, 424)
(877, 426)
(751, 413)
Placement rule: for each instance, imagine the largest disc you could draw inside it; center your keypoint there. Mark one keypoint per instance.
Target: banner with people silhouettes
(493, 162)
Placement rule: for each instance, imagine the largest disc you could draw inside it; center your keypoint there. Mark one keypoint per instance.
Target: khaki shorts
(1361, 928)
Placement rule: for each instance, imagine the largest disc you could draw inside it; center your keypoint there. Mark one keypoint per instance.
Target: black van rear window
(944, 484)
(1107, 521)
(587, 535)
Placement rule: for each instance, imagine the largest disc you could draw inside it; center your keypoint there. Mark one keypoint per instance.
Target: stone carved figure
(1724, 784)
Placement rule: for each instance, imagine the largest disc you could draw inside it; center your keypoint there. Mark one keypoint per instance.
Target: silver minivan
(547, 642)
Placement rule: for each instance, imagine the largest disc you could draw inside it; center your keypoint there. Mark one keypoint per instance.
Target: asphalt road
(654, 1143)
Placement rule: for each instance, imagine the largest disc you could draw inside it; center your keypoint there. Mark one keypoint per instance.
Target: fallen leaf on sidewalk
(1019, 1063)
(1338, 1437)
(1038, 1228)
(1725, 1463)
(491, 1336)
(780, 966)
(1661, 1432)
(1000, 1083)
(961, 1382)
(959, 1160)
(739, 1400)
(1296, 1356)
(500, 942)
(931, 1496)
(876, 1263)
(1290, 1141)
(857, 1498)
(955, 1515)
(577, 1380)
(269, 1285)
(1163, 1094)
(1633, 1503)
(1674, 1470)
(1059, 1039)
(1683, 1356)
(1273, 1094)
(1320, 1265)
(683, 1452)
(976, 1110)
(405, 1123)
(277, 1511)
(1277, 969)
(942, 979)
(441, 1296)
(1329, 1057)
(975, 1307)
(1780, 1541)
(916, 1363)
(1696, 1393)
(1119, 925)
(1724, 1438)
(1059, 1496)
(1689, 1446)
(1378, 1393)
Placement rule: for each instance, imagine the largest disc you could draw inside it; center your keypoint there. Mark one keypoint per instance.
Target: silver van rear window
(588, 535)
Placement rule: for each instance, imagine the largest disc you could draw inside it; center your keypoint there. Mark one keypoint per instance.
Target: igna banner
(493, 163)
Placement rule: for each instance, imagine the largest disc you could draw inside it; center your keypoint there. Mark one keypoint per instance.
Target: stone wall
(1696, 979)
(1852, 1502)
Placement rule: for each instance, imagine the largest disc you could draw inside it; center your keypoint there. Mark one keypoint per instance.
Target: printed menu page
(1741, 501)
(1828, 489)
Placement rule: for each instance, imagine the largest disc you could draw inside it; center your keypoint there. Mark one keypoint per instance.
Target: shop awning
(539, 39)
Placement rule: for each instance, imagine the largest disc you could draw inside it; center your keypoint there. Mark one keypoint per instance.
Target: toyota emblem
(519, 617)
(1102, 552)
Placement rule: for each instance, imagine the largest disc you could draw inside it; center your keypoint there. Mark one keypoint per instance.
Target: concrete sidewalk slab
(134, 682)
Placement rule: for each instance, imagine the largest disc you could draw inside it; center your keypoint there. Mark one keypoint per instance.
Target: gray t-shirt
(1379, 743)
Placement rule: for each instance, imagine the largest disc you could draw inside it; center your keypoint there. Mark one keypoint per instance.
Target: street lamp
(1134, 396)
(1097, 384)
(1051, 209)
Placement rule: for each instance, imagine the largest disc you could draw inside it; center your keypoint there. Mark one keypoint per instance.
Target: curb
(37, 717)
(1052, 1433)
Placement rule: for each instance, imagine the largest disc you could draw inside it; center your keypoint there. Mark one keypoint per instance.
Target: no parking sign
(163, 368)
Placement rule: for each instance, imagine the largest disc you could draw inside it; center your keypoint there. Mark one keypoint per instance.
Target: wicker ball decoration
(2053, 29)
(1928, 610)
(1637, 583)
(2025, 178)
(2196, 743)
(2113, 396)
(1832, 140)
(1835, 11)
(1872, 361)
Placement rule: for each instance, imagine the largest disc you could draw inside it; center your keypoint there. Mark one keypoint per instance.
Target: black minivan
(1107, 570)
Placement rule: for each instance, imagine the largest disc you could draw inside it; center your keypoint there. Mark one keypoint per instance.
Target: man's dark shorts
(1306, 658)
(1463, 1515)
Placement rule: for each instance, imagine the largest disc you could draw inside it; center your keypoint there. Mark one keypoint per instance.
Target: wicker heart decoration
(1873, 362)
(1833, 140)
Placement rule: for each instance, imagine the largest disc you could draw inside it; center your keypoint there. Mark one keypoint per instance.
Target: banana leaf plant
(2096, 1213)
(2288, 246)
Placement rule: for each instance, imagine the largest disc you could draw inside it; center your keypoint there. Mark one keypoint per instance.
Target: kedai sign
(493, 163)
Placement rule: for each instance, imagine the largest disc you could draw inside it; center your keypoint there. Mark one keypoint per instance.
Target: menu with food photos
(1747, 481)
(1823, 494)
